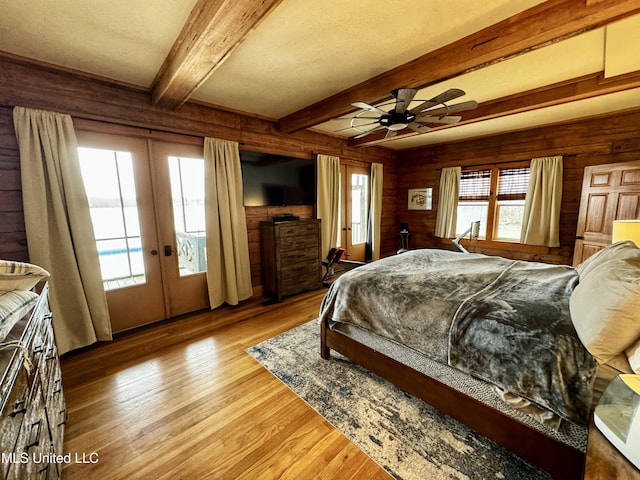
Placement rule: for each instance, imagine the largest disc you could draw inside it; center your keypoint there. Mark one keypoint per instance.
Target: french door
(146, 200)
(354, 207)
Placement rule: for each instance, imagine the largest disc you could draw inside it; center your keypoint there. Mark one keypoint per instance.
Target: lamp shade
(626, 230)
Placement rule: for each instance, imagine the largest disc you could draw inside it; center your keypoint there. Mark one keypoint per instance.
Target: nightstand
(604, 461)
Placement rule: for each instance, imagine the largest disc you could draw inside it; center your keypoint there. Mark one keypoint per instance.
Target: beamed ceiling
(302, 63)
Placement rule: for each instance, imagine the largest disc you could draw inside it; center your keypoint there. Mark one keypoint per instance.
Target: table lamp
(626, 230)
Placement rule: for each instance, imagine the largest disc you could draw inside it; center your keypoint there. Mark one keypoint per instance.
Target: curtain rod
(139, 127)
(512, 161)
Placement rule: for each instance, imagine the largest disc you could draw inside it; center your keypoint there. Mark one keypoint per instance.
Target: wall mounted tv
(277, 180)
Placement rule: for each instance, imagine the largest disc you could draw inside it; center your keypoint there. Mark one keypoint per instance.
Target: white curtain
(328, 198)
(375, 209)
(59, 228)
(541, 219)
(448, 202)
(228, 267)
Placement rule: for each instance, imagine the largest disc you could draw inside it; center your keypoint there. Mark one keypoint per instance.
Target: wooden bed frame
(560, 460)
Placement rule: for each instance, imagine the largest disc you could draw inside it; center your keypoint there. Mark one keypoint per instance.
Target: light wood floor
(182, 400)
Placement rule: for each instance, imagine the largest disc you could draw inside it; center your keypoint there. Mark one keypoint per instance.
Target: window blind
(513, 183)
(475, 185)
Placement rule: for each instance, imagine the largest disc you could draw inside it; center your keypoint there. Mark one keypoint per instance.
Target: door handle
(154, 252)
(579, 237)
(167, 250)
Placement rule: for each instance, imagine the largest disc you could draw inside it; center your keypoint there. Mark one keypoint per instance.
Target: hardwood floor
(183, 400)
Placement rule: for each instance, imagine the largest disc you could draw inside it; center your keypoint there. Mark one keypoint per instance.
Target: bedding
(500, 320)
(605, 304)
(20, 275)
(13, 306)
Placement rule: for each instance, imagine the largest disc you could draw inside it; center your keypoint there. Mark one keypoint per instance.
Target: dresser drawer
(299, 284)
(294, 229)
(303, 242)
(297, 256)
(307, 269)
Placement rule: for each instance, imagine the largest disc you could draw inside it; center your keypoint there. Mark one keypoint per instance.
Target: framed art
(420, 198)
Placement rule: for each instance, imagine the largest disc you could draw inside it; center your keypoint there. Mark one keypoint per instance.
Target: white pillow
(633, 354)
(605, 305)
(20, 275)
(13, 306)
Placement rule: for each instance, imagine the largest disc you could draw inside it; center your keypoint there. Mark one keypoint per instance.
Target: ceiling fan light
(397, 126)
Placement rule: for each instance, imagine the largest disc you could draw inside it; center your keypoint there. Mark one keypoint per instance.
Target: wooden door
(178, 181)
(354, 218)
(609, 192)
(117, 178)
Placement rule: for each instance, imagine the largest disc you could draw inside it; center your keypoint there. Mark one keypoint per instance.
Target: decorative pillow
(19, 275)
(13, 306)
(633, 354)
(615, 251)
(605, 304)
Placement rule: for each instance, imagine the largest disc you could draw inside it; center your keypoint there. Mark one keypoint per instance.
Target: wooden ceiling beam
(563, 92)
(548, 22)
(214, 29)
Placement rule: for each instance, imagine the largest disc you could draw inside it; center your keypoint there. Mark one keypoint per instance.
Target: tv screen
(277, 180)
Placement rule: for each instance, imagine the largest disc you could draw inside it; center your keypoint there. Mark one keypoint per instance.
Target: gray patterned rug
(402, 434)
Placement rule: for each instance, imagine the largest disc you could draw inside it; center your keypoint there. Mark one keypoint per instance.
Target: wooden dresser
(290, 257)
(32, 406)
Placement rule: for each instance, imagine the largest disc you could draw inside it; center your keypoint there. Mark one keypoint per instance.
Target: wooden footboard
(560, 460)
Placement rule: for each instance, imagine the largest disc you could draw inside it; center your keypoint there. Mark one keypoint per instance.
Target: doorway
(609, 192)
(146, 199)
(354, 208)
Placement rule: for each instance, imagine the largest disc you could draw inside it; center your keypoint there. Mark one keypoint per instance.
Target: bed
(518, 351)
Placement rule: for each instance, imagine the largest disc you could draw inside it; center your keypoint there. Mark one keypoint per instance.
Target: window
(512, 188)
(473, 200)
(495, 196)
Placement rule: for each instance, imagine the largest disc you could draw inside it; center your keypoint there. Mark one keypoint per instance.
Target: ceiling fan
(420, 118)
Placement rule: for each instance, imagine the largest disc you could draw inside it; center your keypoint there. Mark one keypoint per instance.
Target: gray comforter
(504, 321)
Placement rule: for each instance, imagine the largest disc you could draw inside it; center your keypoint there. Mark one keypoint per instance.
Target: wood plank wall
(590, 142)
(28, 84)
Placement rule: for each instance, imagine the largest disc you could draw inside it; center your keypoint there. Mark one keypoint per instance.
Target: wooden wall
(589, 142)
(112, 105)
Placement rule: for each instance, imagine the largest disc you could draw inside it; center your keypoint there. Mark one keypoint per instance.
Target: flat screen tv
(277, 180)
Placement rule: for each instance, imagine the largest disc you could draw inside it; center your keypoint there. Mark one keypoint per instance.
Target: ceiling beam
(548, 22)
(214, 29)
(562, 92)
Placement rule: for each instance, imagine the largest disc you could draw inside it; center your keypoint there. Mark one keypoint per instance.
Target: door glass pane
(110, 184)
(359, 191)
(187, 197)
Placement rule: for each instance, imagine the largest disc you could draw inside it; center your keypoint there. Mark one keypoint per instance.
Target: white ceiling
(307, 50)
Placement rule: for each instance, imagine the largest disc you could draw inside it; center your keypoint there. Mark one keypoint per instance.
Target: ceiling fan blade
(404, 96)
(366, 106)
(416, 127)
(448, 95)
(443, 97)
(356, 127)
(369, 131)
(448, 120)
(390, 134)
(458, 107)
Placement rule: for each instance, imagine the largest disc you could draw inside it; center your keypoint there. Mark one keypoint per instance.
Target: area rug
(405, 436)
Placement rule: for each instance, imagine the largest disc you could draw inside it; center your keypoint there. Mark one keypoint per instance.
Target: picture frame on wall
(420, 198)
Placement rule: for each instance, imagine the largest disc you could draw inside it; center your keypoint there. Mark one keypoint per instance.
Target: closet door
(117, 178)
(609, 192)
